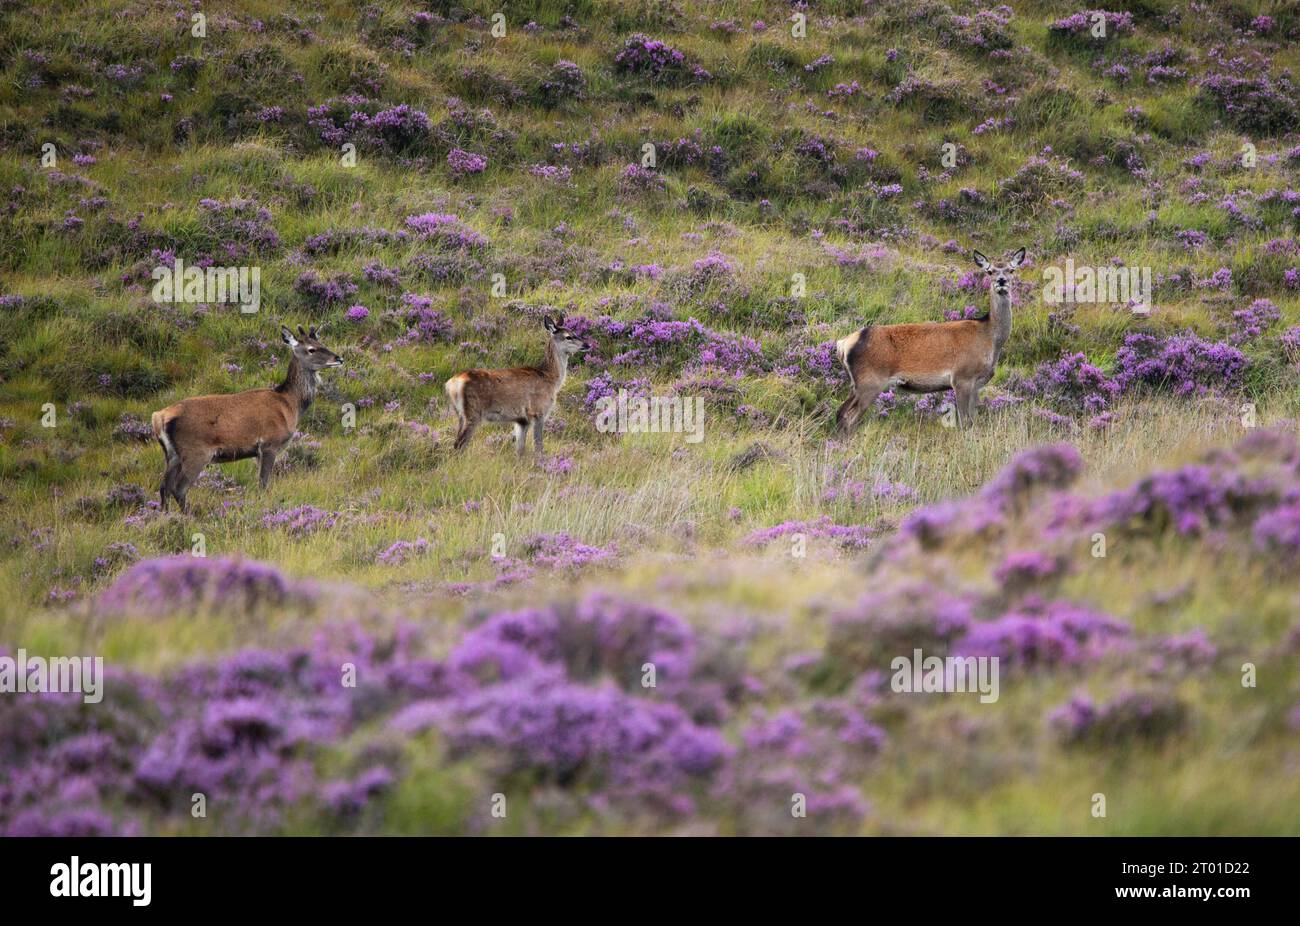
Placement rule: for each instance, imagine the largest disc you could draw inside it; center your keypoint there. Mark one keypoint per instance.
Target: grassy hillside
(712, 200)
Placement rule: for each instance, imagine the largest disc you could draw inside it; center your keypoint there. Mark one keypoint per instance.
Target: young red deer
(256, 423)
(933, 356)
(521, 395)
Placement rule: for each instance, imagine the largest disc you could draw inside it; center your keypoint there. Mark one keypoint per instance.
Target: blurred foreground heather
(605, 711)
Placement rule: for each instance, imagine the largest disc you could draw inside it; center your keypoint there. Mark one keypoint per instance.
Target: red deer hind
(256, 423)
(523, 396)
(933, 356)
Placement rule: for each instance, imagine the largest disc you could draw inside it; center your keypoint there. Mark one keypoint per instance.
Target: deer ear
(314, 330)
(980, 260)
(1017, 258)
(302, 335)
(288, 336)
(549, 324)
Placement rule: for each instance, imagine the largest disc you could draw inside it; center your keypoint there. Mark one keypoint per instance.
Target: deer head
(311, 353)
(1000, 273)
(566, 343)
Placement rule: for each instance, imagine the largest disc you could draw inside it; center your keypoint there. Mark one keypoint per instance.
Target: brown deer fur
(523, 396)
(256, 423)
(930, 357)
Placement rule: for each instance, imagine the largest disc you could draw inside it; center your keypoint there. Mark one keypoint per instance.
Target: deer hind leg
(848, 413)
(169, 479)
(521, 435)
(170, 471)
(467, 428)
(860, 403)
(466, 421)
(186, 474)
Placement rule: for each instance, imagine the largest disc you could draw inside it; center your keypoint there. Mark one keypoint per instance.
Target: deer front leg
(521, 435)
(964, 401)
(538, 424)
(266, 462)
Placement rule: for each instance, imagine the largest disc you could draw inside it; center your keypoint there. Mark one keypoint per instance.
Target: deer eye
(311, 350)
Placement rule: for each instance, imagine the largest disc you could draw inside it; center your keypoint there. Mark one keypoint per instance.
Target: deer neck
(299, 385)
(556, 366)
(1000, 320)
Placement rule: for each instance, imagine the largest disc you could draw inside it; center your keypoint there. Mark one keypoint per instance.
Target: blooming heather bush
(179, 584)
(820, 752)
(560, 551)
(1278, 531)
(1130, 718)
(1071, 383)
(1289, 341)
(1012, 490)
(446, 232)
(243, 226)
(1044, 176)
(565, 81)
(423, 321)
(1257, 102)
(1182, 363)
(400, 551)
(598, 637)
(115, 554)
(1052, 466)
(240, 730)
(892, 620)
(1190, 500)
(638, 754)
(987, 30)
(131, 428)
(325, 292)
(879, 490)
(300, 521)
(1043, 636)
(1081, 23)
(848, 536)
(555, 694)
(1251, 322)
(1025, 569)
(1190, 651)
(396, 130)
(653, 58)
(125, 495)
(462, 163)
(637, 179)
(931, 526)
